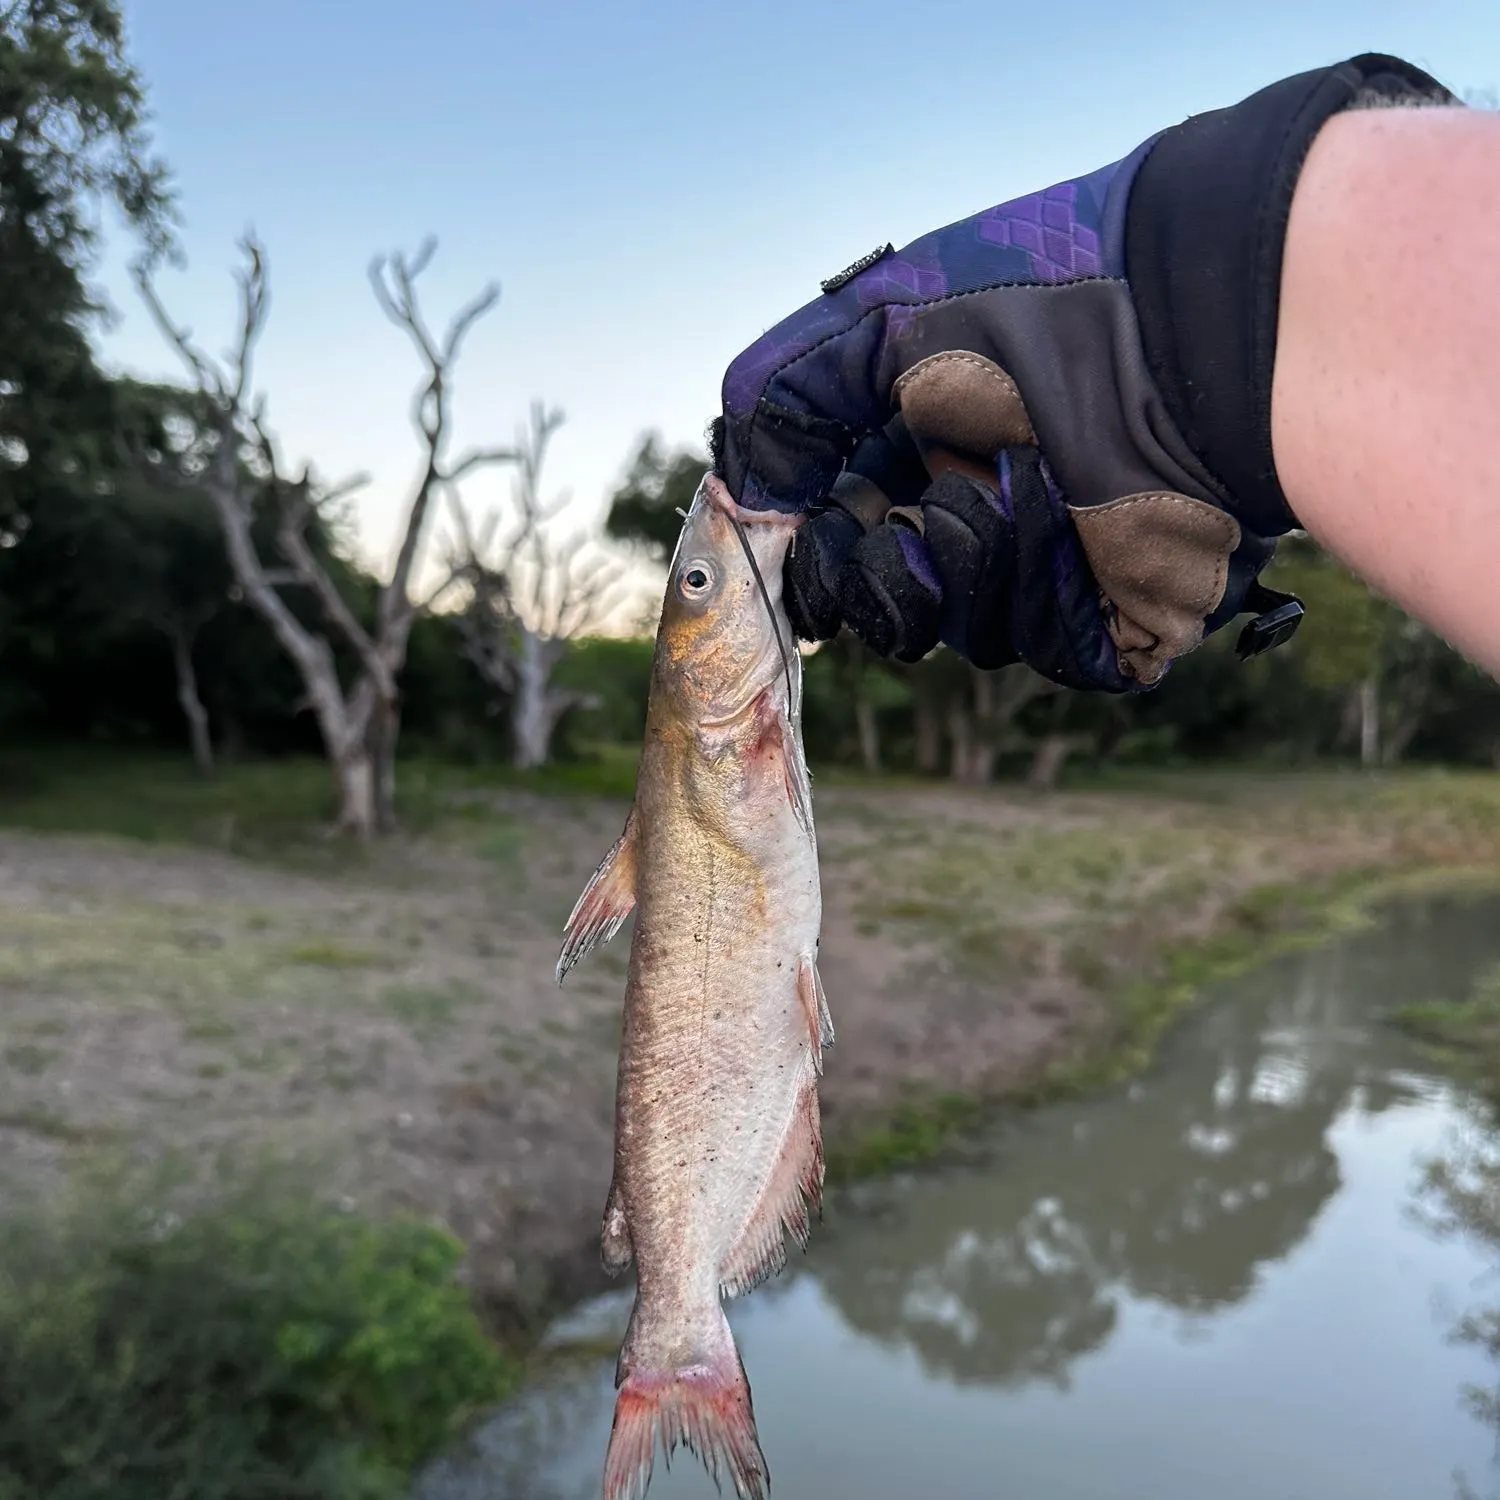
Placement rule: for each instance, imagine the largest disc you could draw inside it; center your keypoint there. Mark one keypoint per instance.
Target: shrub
(262, 1347)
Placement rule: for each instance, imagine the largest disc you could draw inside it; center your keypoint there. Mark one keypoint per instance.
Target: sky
(653, 183)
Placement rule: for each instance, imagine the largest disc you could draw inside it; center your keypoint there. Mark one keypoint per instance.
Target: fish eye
(696, 579)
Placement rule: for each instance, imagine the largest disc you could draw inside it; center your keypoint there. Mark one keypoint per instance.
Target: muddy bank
(398, 1022)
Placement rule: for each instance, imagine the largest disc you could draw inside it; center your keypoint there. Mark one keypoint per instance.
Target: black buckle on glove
(850, 272)
(1276, 624)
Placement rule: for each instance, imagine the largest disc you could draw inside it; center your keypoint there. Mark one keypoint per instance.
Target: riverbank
(393, 1017)
(1292, 1201)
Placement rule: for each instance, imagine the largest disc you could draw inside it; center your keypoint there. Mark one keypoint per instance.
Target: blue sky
(652, 183)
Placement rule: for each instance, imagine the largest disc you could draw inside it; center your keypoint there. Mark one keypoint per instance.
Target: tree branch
(394, 279)
(478, 458)
(293, 510)
(236, 427)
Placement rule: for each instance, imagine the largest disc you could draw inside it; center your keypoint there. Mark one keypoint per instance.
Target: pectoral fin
(607, 900)
(780, 739)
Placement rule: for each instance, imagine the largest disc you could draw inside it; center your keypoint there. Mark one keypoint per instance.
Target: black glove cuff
(1205, 230)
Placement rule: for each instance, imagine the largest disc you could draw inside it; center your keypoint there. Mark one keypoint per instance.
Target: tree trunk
(1397, 738)
(1349, 721)
(927, 726)
(984, 744)
(354, 779)
(961, 742)
(1369, 722)
(385, 729)
(869, 733)
(192, 704)
(1114, 728)
(1405, 708)
(982, 757)
(531, 723)
(856, 660)
(233, 742)
(1050, 758)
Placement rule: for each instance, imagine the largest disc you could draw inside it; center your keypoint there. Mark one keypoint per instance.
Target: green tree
(659, 483)
(122, 589)
(1357, 644)
(166, 564)
(73, 139)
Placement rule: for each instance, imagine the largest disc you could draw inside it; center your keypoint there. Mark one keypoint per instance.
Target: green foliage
(72, 137)
(255, 1346)
(1348, 627)
(617, 673)
(1467, 1030)
(915, 1132)
(658, 484)
(77, 131)
(111, 569)
(837, 677)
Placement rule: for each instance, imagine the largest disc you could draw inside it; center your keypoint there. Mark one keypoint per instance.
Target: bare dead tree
(240, 470)
(530, 592)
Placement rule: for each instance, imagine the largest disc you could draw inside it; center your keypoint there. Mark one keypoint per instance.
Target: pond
(1227, 1278)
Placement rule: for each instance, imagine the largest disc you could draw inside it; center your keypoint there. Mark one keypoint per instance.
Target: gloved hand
(1043, 433)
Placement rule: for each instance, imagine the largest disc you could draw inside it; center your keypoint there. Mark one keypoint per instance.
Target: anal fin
(607, 900)
(791, 1194)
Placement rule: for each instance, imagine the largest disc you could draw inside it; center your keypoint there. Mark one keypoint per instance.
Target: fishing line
(765, 594)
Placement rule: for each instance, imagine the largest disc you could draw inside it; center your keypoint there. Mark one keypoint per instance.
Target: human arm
(1045, 433)
(1386, 400)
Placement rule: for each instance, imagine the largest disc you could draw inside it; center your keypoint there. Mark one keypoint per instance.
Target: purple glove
(1043, 433)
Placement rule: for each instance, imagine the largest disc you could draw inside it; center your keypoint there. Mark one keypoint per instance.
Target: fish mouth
(713, 491)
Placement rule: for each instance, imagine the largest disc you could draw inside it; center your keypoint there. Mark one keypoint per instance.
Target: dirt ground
(400, 1023)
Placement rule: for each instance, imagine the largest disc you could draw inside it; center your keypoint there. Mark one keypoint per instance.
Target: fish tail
(698, 1398)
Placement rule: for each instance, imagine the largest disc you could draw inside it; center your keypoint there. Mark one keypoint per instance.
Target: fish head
(718, 646)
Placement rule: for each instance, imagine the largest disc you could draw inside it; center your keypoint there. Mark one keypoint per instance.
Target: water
(1222, 1280)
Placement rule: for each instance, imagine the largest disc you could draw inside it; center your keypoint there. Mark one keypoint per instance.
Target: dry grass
(397, 1014)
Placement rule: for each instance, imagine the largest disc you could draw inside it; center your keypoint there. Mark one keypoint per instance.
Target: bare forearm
(1386, 399)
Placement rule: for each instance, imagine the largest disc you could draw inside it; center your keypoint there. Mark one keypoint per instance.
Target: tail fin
(704, 1405)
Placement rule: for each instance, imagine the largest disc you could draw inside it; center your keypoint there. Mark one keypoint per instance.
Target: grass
(1466, 1032)
(42, 1120)
(1106, 896)
(914, 1132)
(274, 809)
(327, 953)
(1008, 899)
(140, 952)
(429, 1009)
(1141, 888)
(29, 1058)
(1269, 922)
